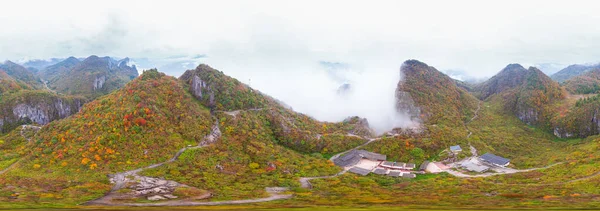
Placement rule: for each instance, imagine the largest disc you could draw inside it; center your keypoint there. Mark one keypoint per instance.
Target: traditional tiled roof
(395, 173)
(360, 171)
(349, 159)
(371, 155)
(380, 171)
(424, 166)
(353, 157)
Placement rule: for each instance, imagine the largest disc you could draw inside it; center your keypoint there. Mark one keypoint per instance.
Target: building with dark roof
(409, 175)
(395, 174)
(388, 164)
(349, 159)
(423, 166)
(353, 157)
(409, 166)
(360, 171)
(371, 155)
(494, 160)
(380, 171)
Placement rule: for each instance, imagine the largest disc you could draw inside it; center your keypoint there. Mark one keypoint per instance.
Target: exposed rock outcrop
(361, 126)
(37, 108)
(214, 135)
(99, 82)
(405, 105)
(197, 86)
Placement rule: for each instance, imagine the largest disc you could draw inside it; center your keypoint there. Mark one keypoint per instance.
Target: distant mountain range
(572, 71)
(58, 89)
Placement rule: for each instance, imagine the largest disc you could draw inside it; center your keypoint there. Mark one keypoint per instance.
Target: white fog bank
(311, 87)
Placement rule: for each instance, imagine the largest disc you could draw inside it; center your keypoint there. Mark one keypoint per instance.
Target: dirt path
(11, 166)
(23, 127)
(48, 88)
(506, 171)
(473, 118)
(29, 140)
(236, 112)
(476, 113)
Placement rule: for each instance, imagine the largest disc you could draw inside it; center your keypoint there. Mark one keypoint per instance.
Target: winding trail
(10, 167)
(234, 113)
(473, 118)
(29, 141)
(48, 88)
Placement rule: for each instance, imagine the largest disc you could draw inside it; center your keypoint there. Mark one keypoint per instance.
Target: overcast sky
(261, 42)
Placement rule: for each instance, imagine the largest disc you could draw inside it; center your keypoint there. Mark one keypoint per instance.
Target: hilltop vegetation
(133, 127)
(21, 73)
(8, 84)
(297, 131)
(58, 70)
(587, 83)
(527, 93)
(436, 94)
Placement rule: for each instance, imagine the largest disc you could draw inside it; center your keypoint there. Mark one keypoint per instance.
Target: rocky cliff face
(99, 82)
(361, 126)
(581, 121)
(405, 105)
(36, 108)
(197, 87)
(527, 114)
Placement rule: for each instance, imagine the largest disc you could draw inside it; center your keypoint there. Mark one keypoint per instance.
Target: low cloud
(309, 87)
